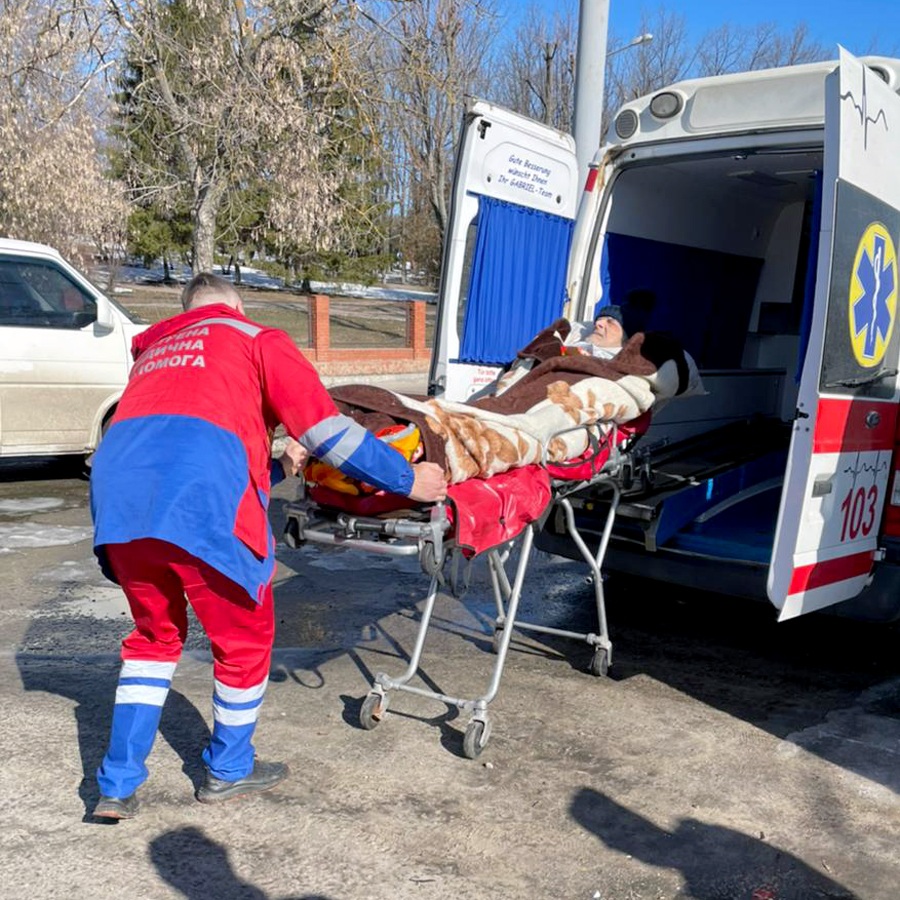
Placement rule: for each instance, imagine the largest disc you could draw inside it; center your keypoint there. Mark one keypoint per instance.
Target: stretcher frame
(429, 538)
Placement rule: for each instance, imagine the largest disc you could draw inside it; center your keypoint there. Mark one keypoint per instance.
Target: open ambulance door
(515, 195)
(843, 436)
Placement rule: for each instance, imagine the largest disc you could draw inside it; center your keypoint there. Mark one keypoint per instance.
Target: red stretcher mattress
(486, 512)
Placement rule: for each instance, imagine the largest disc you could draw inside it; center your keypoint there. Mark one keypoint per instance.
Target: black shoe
(117, 807)
(265, 775)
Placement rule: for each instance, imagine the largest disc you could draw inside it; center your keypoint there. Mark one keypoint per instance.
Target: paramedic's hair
(207, 288)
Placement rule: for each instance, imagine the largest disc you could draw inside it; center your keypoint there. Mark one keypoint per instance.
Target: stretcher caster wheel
(599, 662)
(429, 561)
(476, 738)
(373, 710)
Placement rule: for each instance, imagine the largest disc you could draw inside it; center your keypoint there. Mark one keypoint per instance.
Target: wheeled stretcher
(482, 519)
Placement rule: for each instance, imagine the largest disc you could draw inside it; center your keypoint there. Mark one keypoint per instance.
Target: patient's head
(608, 329)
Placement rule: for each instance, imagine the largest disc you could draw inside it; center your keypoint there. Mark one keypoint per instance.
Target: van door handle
(822, 486)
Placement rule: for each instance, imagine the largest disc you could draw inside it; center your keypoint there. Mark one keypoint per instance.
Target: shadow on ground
(715, 862)
(199, 868)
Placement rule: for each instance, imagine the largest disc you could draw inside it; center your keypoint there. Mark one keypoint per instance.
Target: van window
(36, 294)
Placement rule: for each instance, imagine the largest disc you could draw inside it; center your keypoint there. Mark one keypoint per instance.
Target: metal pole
(590, 69)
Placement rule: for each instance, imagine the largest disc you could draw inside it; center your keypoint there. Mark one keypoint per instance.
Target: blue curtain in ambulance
(517, 284)
(809, 285)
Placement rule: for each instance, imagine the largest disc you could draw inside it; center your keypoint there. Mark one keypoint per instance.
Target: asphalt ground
(725, 757)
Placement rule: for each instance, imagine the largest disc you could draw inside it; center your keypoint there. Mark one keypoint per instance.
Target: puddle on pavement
(346, 560)
(80, 572)
(98, 602)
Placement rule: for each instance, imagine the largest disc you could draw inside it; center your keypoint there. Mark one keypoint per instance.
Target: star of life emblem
(873, 296)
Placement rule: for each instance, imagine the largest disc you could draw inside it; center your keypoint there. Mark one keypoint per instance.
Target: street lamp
(590, 70)
(634, 42)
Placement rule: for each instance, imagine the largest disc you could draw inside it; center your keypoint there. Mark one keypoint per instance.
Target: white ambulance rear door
(515, 195)
(843, 437)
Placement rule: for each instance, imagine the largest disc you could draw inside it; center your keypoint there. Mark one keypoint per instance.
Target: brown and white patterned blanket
(543, 394)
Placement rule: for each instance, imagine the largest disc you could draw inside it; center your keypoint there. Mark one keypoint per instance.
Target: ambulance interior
(728, 247)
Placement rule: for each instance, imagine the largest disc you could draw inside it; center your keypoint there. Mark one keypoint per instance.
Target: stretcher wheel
(477, 735)
(292, 534)
(429, 561)
(373, 710)
(599, 662)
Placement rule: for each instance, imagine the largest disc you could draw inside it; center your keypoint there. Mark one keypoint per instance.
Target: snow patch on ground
(257, 278)
(26, 535)
(29, 505)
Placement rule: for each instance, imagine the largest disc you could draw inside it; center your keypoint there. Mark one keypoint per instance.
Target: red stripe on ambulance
(845, 425)
(830, 571)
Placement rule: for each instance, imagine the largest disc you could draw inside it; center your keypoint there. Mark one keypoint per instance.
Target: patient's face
(607, 332)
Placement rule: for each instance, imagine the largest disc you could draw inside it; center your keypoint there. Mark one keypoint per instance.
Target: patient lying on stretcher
(531, 414)
(604, 338)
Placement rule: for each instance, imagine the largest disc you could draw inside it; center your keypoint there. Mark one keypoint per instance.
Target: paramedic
(179, 496)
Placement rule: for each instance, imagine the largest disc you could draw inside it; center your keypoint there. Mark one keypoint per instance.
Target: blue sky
(862, 26)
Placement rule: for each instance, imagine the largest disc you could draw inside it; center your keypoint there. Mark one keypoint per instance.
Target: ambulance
(760, 212)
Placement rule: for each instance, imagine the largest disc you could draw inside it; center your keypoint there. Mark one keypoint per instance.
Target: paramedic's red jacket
(186, 459)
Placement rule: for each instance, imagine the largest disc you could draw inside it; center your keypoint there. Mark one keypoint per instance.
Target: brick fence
(413, 357)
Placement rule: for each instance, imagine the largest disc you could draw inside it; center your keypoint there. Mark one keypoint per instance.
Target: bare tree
(671, 57)
(53, 187)
(536, 69)
(535, 72)
(535, 75)
(764, 46)
(432, 53)
(723, 49)
(647, 67)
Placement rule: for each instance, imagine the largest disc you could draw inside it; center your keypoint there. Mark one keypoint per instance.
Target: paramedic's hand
(429, 483)
(293, 458)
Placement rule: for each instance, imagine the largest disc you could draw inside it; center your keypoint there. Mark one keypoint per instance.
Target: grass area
(354, 322)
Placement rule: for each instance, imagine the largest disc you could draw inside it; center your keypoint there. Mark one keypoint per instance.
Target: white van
(65, 354)
(761, 211)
